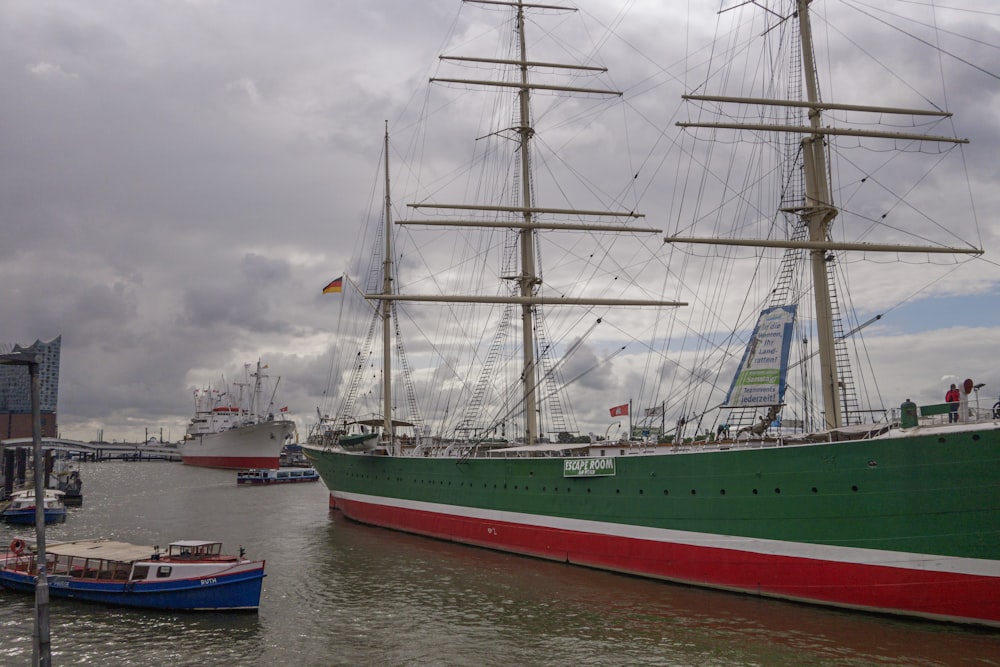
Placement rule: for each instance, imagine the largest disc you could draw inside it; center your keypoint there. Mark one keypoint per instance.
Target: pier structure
(102, 451)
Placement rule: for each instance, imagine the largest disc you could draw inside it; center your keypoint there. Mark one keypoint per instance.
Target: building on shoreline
(15, 390)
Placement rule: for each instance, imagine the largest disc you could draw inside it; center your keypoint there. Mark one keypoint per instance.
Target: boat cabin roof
(380, 422)
(190, 544)
(194, 550)
(30, 493)
(102, 549)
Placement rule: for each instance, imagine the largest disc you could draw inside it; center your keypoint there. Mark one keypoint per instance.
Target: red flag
(620, 411)
(284, 409)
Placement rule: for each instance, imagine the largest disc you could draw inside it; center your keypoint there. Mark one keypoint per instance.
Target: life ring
(17, 545)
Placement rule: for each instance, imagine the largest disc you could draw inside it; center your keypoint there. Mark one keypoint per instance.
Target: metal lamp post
(41, 645)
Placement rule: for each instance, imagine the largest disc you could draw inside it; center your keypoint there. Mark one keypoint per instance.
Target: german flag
(336, 285)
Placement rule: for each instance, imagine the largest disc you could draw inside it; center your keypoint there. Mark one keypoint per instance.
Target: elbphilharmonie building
(15, 390)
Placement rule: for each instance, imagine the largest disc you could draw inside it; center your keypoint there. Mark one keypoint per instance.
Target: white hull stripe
(858, 556)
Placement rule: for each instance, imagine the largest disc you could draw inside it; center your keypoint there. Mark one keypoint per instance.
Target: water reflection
(338, 593)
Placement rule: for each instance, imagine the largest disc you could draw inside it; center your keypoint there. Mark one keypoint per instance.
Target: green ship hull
(903, 523)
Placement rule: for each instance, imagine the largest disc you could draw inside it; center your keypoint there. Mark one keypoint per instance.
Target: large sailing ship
(897, 514)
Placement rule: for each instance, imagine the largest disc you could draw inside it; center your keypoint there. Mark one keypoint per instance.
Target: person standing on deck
(951, 398)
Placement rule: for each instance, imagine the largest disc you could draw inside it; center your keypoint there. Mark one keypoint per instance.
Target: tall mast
(387, 306)
(818, 214)
(527, 280)
(527, 218)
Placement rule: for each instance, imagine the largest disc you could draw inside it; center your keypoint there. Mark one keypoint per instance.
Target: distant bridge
(102, 451)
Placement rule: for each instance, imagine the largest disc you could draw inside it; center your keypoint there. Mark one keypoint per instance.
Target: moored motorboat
(265, 476)
(21, 509)
(193, 575)
(67, 479)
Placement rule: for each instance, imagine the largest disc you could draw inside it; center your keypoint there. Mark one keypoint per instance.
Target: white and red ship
(237, 429)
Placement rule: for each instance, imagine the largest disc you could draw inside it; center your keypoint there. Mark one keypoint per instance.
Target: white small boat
(21, 509)
(358, 442)
(263, 476)
(352, 436)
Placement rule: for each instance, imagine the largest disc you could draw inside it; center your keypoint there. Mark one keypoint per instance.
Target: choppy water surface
(342, 594)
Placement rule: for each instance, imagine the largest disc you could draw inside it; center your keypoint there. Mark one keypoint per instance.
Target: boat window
(163, 571)
(140, 572)
(60, 565)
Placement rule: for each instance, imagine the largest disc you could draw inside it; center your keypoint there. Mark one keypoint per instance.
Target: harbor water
(338, 593)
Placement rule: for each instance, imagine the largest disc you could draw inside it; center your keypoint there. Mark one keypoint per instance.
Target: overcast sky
(179, 179)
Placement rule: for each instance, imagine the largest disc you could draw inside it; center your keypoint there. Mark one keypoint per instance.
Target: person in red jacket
(952, 398)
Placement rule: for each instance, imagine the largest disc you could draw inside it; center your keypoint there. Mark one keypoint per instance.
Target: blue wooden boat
(21, 509)
(192, 575)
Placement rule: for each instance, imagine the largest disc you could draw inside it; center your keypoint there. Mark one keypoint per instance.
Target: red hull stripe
(237, 462)
(716, 561)
(933, 563)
